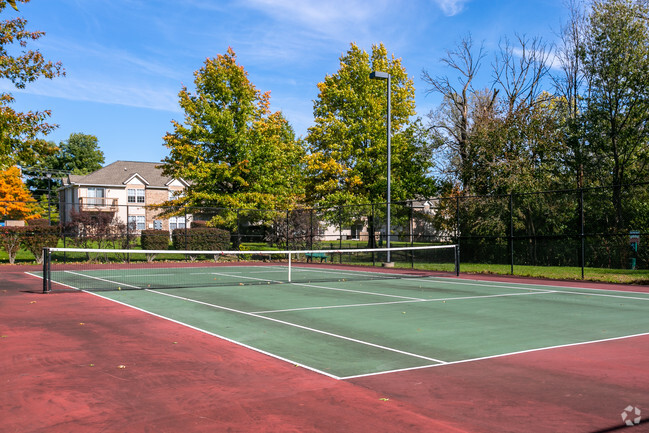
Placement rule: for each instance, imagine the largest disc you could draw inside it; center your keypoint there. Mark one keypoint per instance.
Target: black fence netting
(591, 227)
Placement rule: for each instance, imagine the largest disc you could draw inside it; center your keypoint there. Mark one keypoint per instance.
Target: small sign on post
(634, 240)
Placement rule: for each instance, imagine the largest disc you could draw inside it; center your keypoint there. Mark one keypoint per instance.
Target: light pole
(49, 189)
(378, 75)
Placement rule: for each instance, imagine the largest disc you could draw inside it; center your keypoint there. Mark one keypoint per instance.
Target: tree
(347, 164)
(616, 65)
(348, 147)
(16, 202)
(232, 150)
(79, 154)
(495, 139)
(569, 88)
(452, 122)
(19, 132)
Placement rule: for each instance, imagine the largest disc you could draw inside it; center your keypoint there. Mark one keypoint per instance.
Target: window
(135, 195)
(157, 225)
(136, 222)
(174, 194)
(95, 196)
(176, 223)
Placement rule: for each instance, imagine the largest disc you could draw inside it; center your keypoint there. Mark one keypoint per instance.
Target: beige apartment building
(128, 189)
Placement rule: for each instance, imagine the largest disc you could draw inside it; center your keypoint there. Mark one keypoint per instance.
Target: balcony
(98, 204)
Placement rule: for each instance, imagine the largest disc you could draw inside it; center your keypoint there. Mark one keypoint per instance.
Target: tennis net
(111, 269)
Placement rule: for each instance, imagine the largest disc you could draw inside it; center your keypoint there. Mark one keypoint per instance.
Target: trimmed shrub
(38, 222)
(154, 240)
(201, 238)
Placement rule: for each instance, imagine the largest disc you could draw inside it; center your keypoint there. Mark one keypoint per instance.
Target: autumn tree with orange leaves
(16, 202)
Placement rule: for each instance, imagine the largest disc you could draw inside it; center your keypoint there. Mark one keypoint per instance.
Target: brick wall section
(152, 197)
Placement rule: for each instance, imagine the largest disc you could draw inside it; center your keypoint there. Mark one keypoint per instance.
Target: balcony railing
(98, 204)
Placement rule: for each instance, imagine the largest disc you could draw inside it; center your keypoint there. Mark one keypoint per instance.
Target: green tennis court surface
(355, 326)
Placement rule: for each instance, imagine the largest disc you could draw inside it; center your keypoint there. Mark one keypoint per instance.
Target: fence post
(581, 223)
(185, 231)
(511, 232)
(128, 225)
(238, 230)
(372, 237)
(411, 224)
(288, 228)
(311, 228)
(457, 220)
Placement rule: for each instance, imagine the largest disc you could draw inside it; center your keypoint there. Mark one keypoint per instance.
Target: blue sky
(126, 60)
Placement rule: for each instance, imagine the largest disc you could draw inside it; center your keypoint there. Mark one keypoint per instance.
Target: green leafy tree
(347, 163)
(616, 65)
(20, 132)
(79, 154)
(232, 150)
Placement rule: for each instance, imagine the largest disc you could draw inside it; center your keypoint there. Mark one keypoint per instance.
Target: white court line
(102, 279)
(520, 352)
(557, 289)
(521, 286)
(362, 292)
(247, 278)
(414, 300)
(295, 325)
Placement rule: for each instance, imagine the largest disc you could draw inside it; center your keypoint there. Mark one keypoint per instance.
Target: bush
(201, 238)
(40, 222)
(154, 240)
(36, 237)
(10, 239)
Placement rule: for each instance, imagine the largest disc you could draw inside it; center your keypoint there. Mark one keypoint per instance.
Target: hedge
(154, 239)
(201, 238)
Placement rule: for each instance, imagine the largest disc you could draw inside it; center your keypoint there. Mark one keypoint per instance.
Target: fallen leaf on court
(3, 336)
(384, 399)
(81, 323)
(32, 302)
(92, 365)
(121, 366)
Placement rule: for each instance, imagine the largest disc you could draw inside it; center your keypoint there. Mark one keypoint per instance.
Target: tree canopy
(231, 148)
(20, 133)
(17, 202)
(348, 144)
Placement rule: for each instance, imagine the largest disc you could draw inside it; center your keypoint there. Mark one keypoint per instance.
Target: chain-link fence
(591, 227)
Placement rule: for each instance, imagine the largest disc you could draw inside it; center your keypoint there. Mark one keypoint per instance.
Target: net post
(457, 260)
(289, 266)
(47, 278)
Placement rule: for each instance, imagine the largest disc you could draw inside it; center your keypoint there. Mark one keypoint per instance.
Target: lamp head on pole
(378, 75)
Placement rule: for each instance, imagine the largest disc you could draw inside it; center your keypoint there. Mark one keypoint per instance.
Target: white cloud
(451, 7)
(103, 92)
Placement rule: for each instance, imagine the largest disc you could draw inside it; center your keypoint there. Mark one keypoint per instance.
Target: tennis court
(247, 345)
(345, 323)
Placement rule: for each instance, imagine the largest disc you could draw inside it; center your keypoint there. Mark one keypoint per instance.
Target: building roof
(120, 172)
